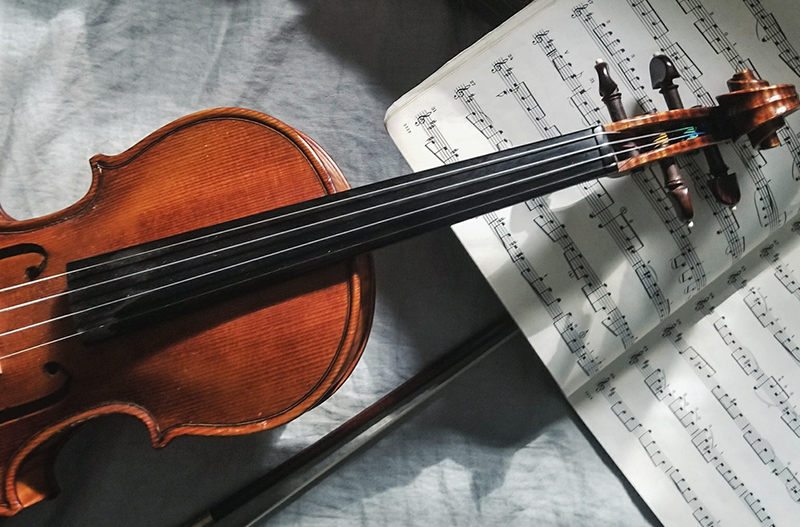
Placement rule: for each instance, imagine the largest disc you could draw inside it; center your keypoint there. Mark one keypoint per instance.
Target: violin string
(320, 207)
(285, 216)
(261, 257)
(48, 343)
(251, 241)
(111, 302)
(313, 209)
(77, 333)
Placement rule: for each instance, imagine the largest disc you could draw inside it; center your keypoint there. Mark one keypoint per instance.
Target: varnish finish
(221, 371)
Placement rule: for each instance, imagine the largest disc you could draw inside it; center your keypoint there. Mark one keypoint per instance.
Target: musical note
(703, 439)
(693, 275)
(773, 32)
(478, 118)
(689, 71)
(757, 304)
(593, 288)
(716, 38)
(630, 241)
(767, 387)
(774, 390)
(711, 386)
(616, 56)
(724, 215)
(600, 201)
(566, 327)
(657, 382)
(743, 356)
(790, 140)
(611, 48)
(701, 436)
(435, 142)
(765, 203)
(525, 99)
(783, 271)
(769, 215)
(656, 454)
(590, 111)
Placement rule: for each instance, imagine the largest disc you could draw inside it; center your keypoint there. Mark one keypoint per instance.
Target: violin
(216, 278)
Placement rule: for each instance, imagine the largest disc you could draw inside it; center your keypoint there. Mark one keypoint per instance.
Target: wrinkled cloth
(499, 447)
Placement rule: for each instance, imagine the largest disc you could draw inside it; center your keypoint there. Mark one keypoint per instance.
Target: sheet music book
(678, 345)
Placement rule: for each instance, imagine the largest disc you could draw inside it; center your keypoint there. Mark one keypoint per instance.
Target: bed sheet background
(499, 447)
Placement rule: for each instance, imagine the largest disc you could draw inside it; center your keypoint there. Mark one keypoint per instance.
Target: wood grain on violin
(213, 280)
(238, 366)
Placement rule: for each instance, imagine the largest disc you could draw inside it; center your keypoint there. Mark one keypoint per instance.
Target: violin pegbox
(674, 183)
(752, 107)
(723, 184)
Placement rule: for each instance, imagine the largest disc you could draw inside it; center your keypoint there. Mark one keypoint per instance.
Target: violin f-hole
(31, 272)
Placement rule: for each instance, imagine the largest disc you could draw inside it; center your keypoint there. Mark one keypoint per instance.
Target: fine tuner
(234, 307)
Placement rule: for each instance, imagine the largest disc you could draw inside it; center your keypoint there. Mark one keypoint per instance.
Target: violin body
(238, 366)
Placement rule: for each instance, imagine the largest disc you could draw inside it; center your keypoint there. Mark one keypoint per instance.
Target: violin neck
(124, 290)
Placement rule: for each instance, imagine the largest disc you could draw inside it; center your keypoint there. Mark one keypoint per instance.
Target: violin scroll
(757, 109)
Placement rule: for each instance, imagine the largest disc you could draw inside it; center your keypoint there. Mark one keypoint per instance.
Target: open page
(588, 270)
(670, 342)
(700, 415)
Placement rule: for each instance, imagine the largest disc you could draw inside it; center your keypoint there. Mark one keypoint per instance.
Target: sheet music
(675, 343)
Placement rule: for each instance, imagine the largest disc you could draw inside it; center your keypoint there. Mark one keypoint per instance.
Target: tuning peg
(673, 181)
(609, 91)
(663, 74)
(612, 98)
(723, 184)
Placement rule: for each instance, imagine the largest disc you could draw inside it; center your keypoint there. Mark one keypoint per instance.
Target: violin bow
(289, 480)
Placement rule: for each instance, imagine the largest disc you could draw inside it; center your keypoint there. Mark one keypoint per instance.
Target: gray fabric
(501, 447)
